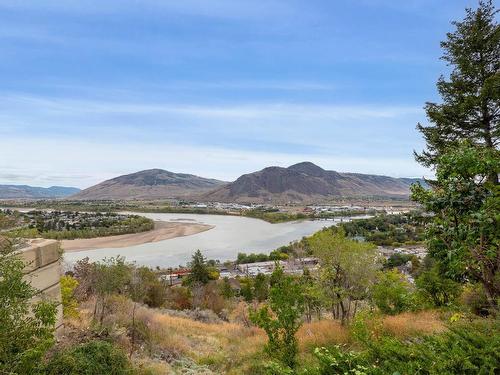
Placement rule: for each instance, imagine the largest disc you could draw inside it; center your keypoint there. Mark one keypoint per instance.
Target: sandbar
(163, 231)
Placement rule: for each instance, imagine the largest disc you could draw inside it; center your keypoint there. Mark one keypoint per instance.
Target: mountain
(149, 184)
(306, 182)
(34, 192)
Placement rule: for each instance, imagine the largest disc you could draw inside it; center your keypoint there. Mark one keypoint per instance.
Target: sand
(162, 231)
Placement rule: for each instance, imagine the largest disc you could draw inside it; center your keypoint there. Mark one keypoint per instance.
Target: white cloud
(81, 163)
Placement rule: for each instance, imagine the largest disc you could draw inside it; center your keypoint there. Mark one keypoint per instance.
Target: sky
(93, 89)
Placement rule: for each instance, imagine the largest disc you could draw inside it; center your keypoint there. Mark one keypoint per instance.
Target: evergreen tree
(199, 269)
(471, 95)
(462, 146)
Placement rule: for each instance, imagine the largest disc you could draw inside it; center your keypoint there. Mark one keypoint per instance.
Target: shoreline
(163, 231)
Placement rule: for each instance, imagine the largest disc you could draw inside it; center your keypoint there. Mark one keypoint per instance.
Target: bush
(475, 300)
(92, 358)
(393, 293)
(465, 349)
(69, 302)
(26, 329)
(436, 288)
(337, 361)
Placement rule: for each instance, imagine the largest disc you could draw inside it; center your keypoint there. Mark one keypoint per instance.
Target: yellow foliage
(69, 302)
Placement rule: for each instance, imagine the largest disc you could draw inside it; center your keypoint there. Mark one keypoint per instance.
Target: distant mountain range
(150, 184)
(34, 192)
(306, 182)
(302, 182)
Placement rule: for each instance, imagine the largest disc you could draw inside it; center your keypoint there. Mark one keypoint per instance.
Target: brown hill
(149, 184)
(35, 192)
(306, 182)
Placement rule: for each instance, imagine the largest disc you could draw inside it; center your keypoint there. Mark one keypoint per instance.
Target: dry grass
(222, 346)
(232, 348)
(321, 333)
(408, 324)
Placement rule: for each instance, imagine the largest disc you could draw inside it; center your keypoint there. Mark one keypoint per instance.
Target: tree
(312, 295)
(112, 275)
(261, 287)
(26, 329)
(281, 317)
(437, 288)
(226, 290)
(471, 95)
(392, 293)
(464, 235)
(348, 269)
(199, 270)
(246, 290)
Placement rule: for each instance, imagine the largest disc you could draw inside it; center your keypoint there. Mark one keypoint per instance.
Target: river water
(231, 235)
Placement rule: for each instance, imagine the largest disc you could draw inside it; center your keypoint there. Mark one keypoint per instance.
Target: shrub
(281, 317)
(436, 288)
(92, 358)
(26, 329)
(474, 299)
(69, 302)
(393, 293)
(337, 361)
(464, 349)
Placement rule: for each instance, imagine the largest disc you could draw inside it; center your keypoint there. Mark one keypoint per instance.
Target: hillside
(35, 192)
(306, 182)
(149, 184)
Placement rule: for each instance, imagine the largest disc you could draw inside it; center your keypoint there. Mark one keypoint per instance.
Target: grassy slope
(227, 347)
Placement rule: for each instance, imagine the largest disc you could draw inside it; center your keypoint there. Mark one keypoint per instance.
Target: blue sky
(94, 89)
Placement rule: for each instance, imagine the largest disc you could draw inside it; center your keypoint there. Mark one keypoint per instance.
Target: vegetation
(347, 270)
(281, 317)
(26, 329)
(392, 293)
(69, 302)
(269, 214)
(388, 230)
(470, 108)
(462, 349)
(254, 258)
(9, 219)
(65, 225)
(350, 315)
(274, 216)
(91, 358)
(463, 237)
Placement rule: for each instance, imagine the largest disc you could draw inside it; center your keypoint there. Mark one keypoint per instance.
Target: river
(230, 235)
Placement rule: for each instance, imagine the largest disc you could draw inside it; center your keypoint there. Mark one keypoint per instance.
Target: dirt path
(162, 231)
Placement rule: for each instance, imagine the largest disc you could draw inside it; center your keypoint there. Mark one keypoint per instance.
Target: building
(253, 269)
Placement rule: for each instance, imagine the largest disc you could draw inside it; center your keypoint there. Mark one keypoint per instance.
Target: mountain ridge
(35, 192)
(153, 183)
(301, 182)
(307, 182)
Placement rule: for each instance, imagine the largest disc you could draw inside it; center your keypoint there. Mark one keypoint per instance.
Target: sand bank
(163, 231)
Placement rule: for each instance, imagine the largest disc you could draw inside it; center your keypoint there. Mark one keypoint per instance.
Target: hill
(149, 184)
(35, 192)
(306, 182)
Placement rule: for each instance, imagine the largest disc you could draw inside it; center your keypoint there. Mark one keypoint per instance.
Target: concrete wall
(43, 271)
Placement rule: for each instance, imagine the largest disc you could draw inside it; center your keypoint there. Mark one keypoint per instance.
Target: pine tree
(199, 270)
(471, 95)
